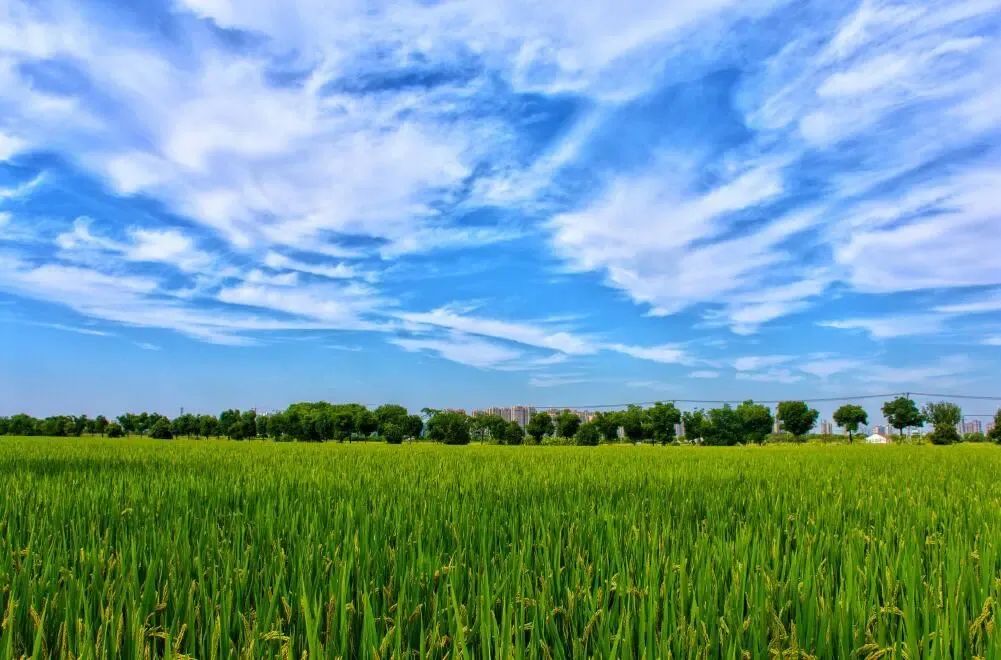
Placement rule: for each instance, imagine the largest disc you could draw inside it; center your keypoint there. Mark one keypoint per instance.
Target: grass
(212, 549)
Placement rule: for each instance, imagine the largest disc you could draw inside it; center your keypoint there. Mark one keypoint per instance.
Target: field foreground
(214, 549)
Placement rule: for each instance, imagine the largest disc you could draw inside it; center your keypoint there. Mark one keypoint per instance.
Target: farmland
(136, 547)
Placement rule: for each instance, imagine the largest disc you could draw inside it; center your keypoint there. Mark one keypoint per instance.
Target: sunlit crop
(136, 548)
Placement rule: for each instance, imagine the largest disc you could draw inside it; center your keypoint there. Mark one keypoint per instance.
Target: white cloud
(21, 189)
(556, 380)
(993, 341)
(889, 327)
(943, 371)
(541, 336)
(140, 301)
(146, 346)
(78, 330)
(258, 276)
(464, 349)
(670, 245)
(984, 304)
(522, 333)
(756, 362)
(827, 367)
(167, 246)
(339, 271)
(338, 307)
(9, 145)
(770, 376)
(665, 354)
(704, 373)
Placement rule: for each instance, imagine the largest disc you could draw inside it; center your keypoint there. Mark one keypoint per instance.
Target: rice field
(214, 549)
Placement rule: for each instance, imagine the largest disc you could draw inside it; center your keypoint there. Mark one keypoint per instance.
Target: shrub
(393, 433)
(161, 430)
(588, 435)
(974, 437)
(944, 435)
(450, 428)
(513, 434)
(115, 430)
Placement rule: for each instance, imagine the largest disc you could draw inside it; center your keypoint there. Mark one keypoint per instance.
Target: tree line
(746, 423)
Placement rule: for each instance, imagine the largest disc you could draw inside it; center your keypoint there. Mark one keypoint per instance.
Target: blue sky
(207, 203)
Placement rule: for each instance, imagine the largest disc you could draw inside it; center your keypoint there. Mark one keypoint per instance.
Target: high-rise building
(777, 425)
(826, 427)
(880, 429)
(521, 414)
(972, 426)
(989, 426)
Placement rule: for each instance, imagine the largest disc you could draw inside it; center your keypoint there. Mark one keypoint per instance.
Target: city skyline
(222, 204)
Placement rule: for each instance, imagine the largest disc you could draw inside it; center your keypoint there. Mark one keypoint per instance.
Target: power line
(960, 396)
(858, 397)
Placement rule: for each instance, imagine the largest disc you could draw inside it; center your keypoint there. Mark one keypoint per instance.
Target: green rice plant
(210, 549)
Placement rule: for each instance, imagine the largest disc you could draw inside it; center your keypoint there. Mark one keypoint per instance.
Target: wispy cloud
(77, 329)
(889, 327)
(464, 349)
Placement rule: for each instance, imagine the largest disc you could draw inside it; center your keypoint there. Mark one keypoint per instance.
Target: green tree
(902, 413)
(513, 434)
(490, 426)
(661, 418)
(208, 426)
(393, 433)
(448, 427)
(366, 423)
(413, 426)
(340, 424)
(608, 424)
(797, 417)
(633, 420)
(390, 413)
(567, 423)
(227, 419)
(101, 424)
(994, 435)
(755, 422)
(724, 428)
(944, 417)
(115, 430)
(850, 417)
(161, 429)
(540, 425)
(128, 422)
(588, 435)
(695, 422)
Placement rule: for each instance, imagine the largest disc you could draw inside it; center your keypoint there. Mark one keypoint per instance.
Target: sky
(208, 204)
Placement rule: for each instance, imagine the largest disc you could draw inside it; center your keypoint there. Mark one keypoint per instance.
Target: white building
(877, 439)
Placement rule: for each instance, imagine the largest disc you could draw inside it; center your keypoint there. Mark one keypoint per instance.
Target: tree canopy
(797, 417)
(902, 413)
(849, 417)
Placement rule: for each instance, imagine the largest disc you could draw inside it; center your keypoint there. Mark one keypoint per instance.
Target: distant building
(521, 414)
(826, 427)
(972, 426)
(877, 439)
(989, 426)
(879, 429)
(777, 425)
(679, 430)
